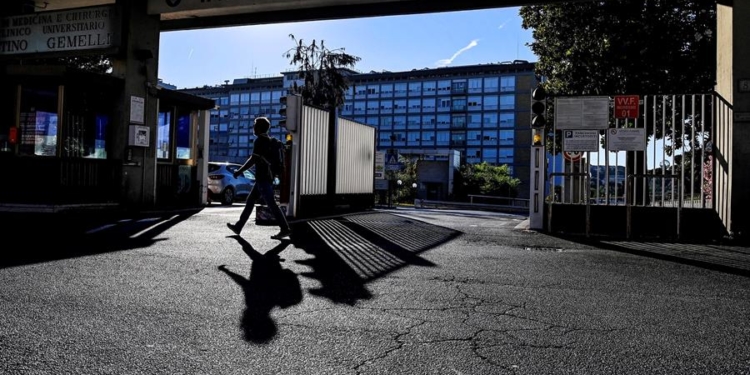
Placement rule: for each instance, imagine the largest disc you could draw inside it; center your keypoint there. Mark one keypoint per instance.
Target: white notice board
(583, 112)
(626, 139)
(379, 165)
(581, 140)
(137, 108)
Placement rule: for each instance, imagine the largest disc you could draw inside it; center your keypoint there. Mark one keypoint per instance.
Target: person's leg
(267, 194)
(246, 211)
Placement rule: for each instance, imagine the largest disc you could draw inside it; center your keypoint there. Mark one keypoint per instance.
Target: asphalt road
(386, 292)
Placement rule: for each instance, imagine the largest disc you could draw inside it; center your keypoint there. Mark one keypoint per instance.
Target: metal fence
(674, 169)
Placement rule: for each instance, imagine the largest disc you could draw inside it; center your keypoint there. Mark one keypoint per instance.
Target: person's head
(261, 125)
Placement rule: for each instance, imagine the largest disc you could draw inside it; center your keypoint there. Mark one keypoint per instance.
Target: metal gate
(642, 188)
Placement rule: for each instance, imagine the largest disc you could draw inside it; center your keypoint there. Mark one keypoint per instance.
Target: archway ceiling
(199, 14)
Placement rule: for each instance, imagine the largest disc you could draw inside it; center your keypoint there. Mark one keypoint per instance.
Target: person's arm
(248, 164)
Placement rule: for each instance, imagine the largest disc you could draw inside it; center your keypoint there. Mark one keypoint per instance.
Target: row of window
(260, 97)
(493, 155)
(359, 91)
(396, 139)
(246, 112)
(488, 120)
(472, 103)
(442, 121)
(429, 138)
(426, 88)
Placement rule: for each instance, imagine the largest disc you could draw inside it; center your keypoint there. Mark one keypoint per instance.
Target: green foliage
(408, 176)
(323, 72)
(624, 46)
(486, 179)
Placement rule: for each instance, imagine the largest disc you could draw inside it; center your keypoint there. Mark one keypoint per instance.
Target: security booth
(58, 131)
(181, 148)
(55, 130)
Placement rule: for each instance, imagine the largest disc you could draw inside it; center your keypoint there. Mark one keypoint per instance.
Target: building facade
(482, 111)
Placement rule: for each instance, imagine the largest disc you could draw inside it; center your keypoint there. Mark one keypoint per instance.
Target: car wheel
(228, 197)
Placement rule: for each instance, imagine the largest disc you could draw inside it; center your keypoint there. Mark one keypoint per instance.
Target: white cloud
(190, 54)
(445, 62)
(503, 24)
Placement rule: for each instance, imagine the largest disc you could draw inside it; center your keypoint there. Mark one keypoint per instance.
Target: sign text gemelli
(58, 31)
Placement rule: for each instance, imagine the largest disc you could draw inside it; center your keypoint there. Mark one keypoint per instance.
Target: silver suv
(223, 187)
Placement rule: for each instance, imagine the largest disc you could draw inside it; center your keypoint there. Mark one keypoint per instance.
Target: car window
(232, 168)
(213, 167)
(249, 175)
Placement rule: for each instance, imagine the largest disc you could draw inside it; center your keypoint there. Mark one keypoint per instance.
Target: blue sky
(210, 56)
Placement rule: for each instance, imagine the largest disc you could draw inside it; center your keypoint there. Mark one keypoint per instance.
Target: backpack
(275, 158)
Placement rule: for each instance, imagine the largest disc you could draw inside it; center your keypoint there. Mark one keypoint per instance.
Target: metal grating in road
(365, 258)
(406, 233)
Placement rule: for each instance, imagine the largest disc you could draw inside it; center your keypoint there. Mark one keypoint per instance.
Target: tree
(485, 179)
(407, 176)
(624, 46)
(324, 73)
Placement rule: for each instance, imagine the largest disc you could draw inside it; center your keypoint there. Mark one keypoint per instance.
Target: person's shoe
(282, 234)
(233, 228)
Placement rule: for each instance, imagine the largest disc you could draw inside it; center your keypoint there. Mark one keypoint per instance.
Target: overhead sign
(627, 106)
(581, 140)
(626, 139)
(69, 30)
(585, 112)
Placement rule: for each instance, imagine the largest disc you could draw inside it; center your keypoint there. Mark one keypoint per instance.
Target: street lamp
(398, 190)
(414, 185)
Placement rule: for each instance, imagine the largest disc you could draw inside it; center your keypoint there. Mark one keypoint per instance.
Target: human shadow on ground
(62, 236)
(351, 250)
(268, 286)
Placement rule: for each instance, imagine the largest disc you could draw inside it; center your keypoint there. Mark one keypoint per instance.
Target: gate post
(537, 193)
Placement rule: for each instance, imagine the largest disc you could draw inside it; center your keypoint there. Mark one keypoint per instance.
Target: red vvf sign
(626, 106)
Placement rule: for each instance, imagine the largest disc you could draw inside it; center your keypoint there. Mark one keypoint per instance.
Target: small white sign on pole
(626, 139)
(581, 140)
(379, 165)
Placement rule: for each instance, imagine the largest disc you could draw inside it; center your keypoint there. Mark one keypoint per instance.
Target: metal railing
(514, 205)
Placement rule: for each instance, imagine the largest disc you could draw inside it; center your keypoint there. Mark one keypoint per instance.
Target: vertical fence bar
(606, 167)
(664, 144)
(703, 149)
(673, 126)
(643, 154)
(682, 169)
(617, 165)
(692, 151)
(653, 131)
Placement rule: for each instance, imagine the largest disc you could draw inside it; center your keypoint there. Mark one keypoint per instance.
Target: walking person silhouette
(268, 286)
(262, 155)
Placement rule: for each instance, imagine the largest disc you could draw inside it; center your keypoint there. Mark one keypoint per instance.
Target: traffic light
(536, 138)
(538, 107)
(291, 111)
